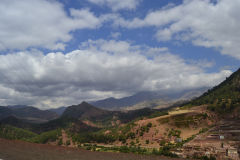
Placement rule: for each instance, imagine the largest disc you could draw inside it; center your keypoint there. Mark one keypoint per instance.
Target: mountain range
(149, 98)
(138, 101)
(27, 113)
(86, 123)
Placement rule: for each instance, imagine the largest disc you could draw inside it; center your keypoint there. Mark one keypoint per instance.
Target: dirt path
(66, 139)
(18, 150)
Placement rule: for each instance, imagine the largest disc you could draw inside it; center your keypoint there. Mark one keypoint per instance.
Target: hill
(224, 98)
(84, 111)
(101, 118)
(27, 113)
(59, 111)
(16, 122)
(32, 113)
(5, 112)
(178, 126)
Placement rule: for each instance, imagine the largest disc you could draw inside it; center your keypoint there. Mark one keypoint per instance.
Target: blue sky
(56, 53)
(144, 36)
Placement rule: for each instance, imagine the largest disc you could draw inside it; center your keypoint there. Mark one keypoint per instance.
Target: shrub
(47, 136)
(68, 142)
(60, 142)
(147, 141)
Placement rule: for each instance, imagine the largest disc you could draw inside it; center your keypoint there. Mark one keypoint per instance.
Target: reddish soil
(65, 138)
(159, 131)
(19, 150)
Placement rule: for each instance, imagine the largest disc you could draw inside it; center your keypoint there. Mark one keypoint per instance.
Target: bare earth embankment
(18, 150)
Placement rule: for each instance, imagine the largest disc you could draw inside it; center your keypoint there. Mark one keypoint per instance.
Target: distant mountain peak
(112, 103)
(83, 103)
(83, 110)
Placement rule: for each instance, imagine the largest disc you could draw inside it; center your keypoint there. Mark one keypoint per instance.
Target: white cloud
(115, 35)
(40, 23)
(99, 69)
(116, 5)
(202, 22)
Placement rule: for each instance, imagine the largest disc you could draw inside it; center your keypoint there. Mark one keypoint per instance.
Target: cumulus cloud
(116, 5)
(98, 69)
(41, 23)
(202, 22)
(115, 35)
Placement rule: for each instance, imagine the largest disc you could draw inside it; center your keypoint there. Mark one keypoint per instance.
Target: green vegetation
(60, 142)
(145, 128)
(68, 142)
(184, 120)
(205, 157)
(111, 135)
(131, 135)
(164, 151)
(93, 138)
(45, 137)
(132, 149)
(107, 135)
(175, 133)
(223, 98)
(123, 149)
(9, 132)
(147, 141)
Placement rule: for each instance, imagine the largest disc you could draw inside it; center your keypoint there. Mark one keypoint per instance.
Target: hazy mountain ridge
(150, 99)
(27, 113)
(58, 110)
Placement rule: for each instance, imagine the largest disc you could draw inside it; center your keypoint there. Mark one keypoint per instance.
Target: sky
(60, 52)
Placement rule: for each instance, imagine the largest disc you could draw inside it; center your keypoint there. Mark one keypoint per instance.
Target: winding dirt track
(18, 150)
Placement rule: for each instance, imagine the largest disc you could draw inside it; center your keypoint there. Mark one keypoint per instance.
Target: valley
(119, 80)
(206, 127)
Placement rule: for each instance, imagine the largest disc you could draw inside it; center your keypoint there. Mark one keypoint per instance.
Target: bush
(149, 125)
(47, 136)
(131, 135)
(10, 132)
(60, 142)
(68, 142)
(132, 143)
(124, 149)
(147, 141)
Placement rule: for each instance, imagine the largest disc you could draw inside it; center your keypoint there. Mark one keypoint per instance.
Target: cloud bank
(98, 69)
(202, 22)
(41, 23)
